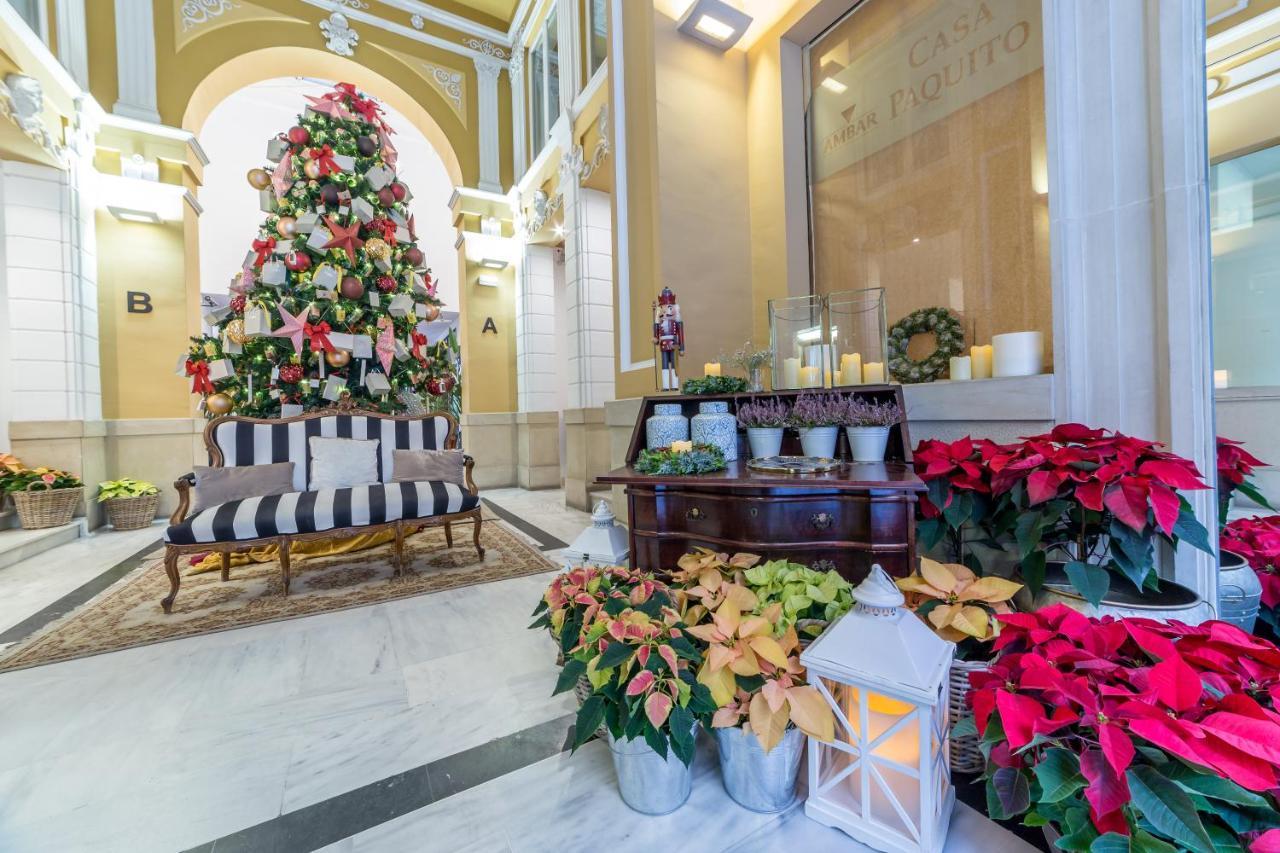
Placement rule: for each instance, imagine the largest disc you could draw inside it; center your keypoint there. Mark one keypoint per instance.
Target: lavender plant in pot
(764, 421)
(817, 418)
(866, 424)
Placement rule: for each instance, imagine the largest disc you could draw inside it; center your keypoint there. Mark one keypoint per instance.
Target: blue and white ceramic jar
(665, 425)
(715, 426)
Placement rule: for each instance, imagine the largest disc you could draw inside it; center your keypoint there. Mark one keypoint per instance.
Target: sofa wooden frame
(402, 527)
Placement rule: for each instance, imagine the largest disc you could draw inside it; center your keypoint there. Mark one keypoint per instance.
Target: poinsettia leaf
(1106, 791)
(1144, 842)
(1127, 501)
(569, 675)
(1019, 714)
(615, 654)
(1058, 773)
(590, 714)
(1093, 582)
(1164, 504)
(1012, 790)
(929, 532)
(1210, 785)
(685, 649)
(1032, 570)
(965, 728)
(958, 510)
(1116, 747)
(570, 631)
(1178, 685)
(1189, 529)
(1168, 808)
(1250, 491)
(1112, 842)
(1267, 842)
(682, 733)
(1028, 532)
(656, 739)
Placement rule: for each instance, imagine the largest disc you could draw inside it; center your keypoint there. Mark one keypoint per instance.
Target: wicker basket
(966, 756)
(132, 513)
(47, 506)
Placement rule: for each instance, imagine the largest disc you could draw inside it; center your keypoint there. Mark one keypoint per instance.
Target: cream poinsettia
(966, 602)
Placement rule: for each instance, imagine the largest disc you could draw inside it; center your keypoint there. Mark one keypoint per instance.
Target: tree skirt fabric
(128, 614)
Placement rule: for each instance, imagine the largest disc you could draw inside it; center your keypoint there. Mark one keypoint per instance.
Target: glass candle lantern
(800, 337)
(859, 338)
(885, 779)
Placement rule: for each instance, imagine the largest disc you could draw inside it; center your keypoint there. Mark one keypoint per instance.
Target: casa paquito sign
(943, 61)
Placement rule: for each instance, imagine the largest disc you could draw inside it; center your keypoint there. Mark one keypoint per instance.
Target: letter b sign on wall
(138, 302)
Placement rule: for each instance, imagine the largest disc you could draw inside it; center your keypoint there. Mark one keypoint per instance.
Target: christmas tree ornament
(362, 209)
(386, 283)
(210, 349)
(351, 288)
(329, 195)
(325, 277)
(319, 236)
(332, 108)
(276, 148)
(378, 177)
(318, 336)
(291, 374)
(413, 256)
(299, 135)
(366, 145)
(287, 227)
(311, 169)
(379, 250)
(337, 358)
(297, 261)
(385, 346)
(431, 312)
(386, 197)
(259, 179)
(293, 328)
(235, 331)
(435, 386)
(344, 237)
(218, 404)
(282, 177)
(399, 191)
(237, 303)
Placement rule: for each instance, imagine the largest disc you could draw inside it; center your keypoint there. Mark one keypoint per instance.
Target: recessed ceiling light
(915, 239)
(831, 84)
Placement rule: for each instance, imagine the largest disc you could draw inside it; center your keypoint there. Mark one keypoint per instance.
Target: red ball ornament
(291, 374)
(399, 190)
(449, 381)
(386, 283)
(297, 261)
(413, 256)
(237, 303)
(299, 135)
(435, 386)
(386, 197)
(351, 287)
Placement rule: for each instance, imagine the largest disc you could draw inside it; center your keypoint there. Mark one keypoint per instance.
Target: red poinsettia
(1120, 718)
(1257, 539)
(1235, 465)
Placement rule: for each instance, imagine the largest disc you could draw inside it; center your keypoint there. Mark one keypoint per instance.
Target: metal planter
(755, 780)
(649, 783)
(1239, 591)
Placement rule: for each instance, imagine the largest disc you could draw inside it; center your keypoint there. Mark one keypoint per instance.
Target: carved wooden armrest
(183, 486)
(469, 463)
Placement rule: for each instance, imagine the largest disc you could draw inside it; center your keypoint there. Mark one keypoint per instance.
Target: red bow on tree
(200, 371)
(367, 107)
(419, 341)
(385, 228)
(324, 158)
(318, 335)
(263, 248)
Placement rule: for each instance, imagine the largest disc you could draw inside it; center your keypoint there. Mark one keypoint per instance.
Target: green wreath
(946, 330)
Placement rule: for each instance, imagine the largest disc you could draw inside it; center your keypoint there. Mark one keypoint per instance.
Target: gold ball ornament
(235, 331)
(219, 404)
(259, 179)
(337, 358)
(287, 227)
(311, 169)
(377, 249)
(210, 349)
(432, 312)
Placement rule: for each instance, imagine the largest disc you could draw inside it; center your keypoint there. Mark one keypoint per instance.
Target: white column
(136, 60)
(1128, 204)
(536, 384)
(73, 45)
(588, 248)
(567, 32)
(487, 70)
(515, 76)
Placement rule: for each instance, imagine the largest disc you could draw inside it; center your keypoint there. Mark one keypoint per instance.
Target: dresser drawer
(661, 554)
(805, 518)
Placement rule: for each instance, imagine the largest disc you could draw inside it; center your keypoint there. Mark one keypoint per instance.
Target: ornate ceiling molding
(340, 38)
(195, 18)
(452, 85)
(368, 17)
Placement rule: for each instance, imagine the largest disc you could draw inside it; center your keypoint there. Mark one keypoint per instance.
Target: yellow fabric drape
(297, 550)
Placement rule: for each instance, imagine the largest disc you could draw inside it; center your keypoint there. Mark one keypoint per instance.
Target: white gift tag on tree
(307, 223)
(325, 277)
(400, 305)
(379, 176)
(362, 347)
(290, 410)
(276, 148)
(345, 162)
(342, 340)
(221, 369)
(229, 346)
(375, 299)
(420, 310)
(333, 388)
(362, 209)
(256, 321)
(402, 351)
(377, 383)
(267, 200)
(319, 236)
(419, 284)
(402, 234)
(273, 273)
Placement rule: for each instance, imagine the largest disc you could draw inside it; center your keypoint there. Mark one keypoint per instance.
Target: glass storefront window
(537, 91)
(543, 82)
(553, 69)
(595, 36)
(927, 166)
(1244, 211)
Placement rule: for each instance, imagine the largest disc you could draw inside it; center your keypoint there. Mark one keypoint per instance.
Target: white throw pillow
(339, 463)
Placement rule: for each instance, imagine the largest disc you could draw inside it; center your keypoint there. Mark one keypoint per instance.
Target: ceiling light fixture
(714, 22)
(831, 84)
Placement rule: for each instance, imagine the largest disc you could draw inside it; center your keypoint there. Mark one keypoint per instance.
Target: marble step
(17, 544)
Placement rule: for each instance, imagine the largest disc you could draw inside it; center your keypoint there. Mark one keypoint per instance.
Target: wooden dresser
(847, 519)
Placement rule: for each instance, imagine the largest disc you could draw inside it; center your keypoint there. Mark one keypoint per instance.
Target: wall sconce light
(714, 22)
(833, 85)
(125, 214)
(492, 264)
(488, 281)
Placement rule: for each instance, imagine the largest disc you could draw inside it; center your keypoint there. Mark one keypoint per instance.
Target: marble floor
(423, 724)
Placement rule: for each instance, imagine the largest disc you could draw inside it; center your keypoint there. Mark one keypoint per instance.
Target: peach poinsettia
(9, 464)
(956, 602)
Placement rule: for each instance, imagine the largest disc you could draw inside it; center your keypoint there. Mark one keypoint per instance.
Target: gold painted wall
(138, 351)
(489, 360)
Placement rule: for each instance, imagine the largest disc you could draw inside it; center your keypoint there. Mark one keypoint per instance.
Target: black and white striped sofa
(325, 513)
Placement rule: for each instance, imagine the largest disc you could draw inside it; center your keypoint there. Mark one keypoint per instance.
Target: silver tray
(796, 466)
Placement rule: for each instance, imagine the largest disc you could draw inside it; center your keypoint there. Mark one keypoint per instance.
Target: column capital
(488, 68)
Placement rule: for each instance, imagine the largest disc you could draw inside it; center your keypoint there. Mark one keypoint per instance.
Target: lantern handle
(878, 594)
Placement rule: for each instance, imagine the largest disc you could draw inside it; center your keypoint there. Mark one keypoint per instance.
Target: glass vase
(800, 340)
(859, 338)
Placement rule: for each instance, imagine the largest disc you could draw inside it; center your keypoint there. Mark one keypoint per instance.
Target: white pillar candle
(873, 372)
(791, 373)
(961, 367)
(711, 368)
(1017, 354)
(851, 368)
(980, 356)
(810, 377)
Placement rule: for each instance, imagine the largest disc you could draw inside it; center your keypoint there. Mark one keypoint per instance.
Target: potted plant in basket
(43, 497)
(764, 421)
(644, 693)
(961, 608)
(1132, 734)
(866, 425)
(131, 504)
(816, 418)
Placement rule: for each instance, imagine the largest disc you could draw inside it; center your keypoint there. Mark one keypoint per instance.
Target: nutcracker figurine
(668, 339)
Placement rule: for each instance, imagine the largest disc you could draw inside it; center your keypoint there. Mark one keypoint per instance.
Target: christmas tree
(333, 297)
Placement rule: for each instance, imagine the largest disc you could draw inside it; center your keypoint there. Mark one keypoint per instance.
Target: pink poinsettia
(1257, 540)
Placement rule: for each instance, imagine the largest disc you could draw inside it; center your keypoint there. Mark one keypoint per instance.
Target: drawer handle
(822, 520)
(695, 513)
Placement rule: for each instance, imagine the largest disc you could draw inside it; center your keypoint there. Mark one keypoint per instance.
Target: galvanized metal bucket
(1239, 591)
(649, 783)
(756, 780)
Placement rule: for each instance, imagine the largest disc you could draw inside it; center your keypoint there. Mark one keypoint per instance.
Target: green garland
(707, 385)
(701, 460)
(946, 330)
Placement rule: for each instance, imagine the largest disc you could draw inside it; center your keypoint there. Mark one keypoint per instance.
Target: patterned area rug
(128, 614)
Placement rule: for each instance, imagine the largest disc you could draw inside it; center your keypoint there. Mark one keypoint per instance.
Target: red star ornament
(344, 238)
(333, 109)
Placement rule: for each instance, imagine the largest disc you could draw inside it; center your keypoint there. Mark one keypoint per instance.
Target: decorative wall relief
(195, 18)
(339, 36)
(22, 102)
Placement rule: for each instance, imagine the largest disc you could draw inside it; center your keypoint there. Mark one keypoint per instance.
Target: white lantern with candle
(885, 779)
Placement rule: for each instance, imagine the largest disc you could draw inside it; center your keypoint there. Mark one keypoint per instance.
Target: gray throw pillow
(343, 463)
(219, 485)
(444, 466)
